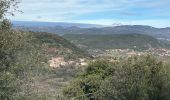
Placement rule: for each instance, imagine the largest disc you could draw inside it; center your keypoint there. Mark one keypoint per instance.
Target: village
(59, 61)
(129, 52)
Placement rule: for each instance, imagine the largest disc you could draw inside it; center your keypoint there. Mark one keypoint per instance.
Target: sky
(155, 13)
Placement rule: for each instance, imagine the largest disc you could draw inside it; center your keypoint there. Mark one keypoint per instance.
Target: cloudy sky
(107, 12)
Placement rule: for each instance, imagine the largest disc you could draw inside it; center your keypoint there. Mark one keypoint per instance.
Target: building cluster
(159, 52)
(57, 62)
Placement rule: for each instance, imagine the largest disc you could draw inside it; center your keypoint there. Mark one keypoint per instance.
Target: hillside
(55, 45)
(117, 41)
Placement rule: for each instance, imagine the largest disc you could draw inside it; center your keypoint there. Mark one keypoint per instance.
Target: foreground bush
(20, 60)
(137, 78)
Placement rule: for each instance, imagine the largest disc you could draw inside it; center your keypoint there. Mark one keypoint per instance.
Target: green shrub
(137, 78)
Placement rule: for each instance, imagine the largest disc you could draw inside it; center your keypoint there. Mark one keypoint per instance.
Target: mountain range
(100, 37)
(77, 28)
(52, 24)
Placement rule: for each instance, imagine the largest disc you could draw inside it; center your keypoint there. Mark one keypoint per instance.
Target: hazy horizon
(112, 25)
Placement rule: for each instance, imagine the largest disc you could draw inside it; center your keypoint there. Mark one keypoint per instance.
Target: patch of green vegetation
(115, 41)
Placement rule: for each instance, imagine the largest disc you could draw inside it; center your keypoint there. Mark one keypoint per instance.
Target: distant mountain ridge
(52, 24)
(75, 28)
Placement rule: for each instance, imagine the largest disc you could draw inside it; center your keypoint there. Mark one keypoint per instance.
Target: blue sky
(106, 12)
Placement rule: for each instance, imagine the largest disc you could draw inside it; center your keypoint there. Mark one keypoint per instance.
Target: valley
(98, 39)
(87, 41)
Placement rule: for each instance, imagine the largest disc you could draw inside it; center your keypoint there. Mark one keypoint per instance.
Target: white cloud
(61, 8)
(79, 7)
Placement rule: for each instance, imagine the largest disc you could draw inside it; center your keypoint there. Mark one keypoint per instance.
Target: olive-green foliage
(137, 78)
(5, 24)
(20, 61)
(9, 43)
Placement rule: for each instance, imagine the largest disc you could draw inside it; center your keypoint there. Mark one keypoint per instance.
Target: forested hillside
(116, 41)
(52, 41)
